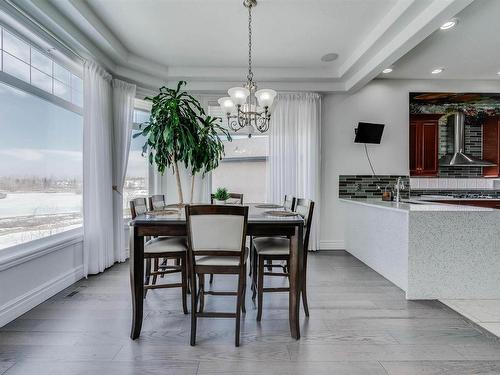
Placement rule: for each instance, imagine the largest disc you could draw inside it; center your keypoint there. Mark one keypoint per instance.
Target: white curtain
(98, 251)
(295, 154)
(123, 117)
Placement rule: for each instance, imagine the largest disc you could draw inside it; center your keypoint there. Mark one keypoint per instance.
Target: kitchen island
(429, 250)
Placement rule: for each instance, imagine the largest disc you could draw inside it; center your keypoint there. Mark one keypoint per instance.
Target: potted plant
(172, 130)
(209, 148)
(221, 196)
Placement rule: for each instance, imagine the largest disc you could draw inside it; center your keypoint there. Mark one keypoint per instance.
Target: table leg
(136, 281)
(296, 255)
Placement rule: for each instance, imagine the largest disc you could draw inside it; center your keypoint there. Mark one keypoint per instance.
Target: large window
(40, 167)
(137, 177)
(244, 167)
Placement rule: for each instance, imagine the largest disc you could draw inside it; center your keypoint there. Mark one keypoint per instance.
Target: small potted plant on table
(221, 196)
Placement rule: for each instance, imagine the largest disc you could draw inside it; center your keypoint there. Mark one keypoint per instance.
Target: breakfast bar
(429, 250)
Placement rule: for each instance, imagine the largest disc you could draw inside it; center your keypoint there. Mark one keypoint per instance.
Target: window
(24, 61)
(244, 167)
(137, 177)
(40, 168)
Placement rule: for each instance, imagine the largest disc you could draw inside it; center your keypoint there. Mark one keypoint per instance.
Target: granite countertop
(428, 197)
(414, 205)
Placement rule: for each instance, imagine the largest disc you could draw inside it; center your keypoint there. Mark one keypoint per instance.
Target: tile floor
(483, 312)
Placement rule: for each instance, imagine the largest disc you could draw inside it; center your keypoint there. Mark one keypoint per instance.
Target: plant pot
(218, 202)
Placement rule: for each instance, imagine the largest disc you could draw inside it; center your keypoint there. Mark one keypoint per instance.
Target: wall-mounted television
(368, 132)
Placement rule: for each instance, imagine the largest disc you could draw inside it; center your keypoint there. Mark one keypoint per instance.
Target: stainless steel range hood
(459, 158)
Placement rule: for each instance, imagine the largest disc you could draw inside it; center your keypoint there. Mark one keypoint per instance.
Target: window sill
(18, 254)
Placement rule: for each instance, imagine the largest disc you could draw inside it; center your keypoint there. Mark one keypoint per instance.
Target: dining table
(261, 222)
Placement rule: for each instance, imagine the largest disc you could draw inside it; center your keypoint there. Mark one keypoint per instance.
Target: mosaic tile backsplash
(368, 186)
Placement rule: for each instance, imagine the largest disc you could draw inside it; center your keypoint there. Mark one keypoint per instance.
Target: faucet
(400, 185)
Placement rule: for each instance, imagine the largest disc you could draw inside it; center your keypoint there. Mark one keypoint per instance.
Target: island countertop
(430, 250)
(416, 205)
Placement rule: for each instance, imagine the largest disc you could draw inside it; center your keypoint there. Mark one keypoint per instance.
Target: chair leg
(241, 276)
(201, 280)
(147, 275)
(244, 293)
(260, 287)
(254, 273)
(251, 256)
(156, 267)
(269, 265)
(211, 278)
(304, 287)
(184, 281)
(194, 308)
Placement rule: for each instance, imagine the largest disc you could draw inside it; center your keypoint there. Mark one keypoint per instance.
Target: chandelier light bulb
(265, 97)
(226, 105)
(238, 95)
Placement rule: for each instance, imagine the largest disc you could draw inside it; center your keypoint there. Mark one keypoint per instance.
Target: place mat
(162, 212)
(280, 213)
(268, 206)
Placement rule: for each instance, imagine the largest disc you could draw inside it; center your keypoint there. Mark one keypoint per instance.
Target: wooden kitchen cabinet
(491, 146)
(424, 141)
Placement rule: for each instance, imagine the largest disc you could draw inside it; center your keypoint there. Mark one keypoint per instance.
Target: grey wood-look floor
(360, 324)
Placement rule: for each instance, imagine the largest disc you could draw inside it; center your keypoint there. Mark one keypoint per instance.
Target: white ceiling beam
(424, 24)
(380, 29)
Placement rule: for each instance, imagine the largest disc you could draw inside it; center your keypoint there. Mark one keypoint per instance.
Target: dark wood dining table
(260, 223)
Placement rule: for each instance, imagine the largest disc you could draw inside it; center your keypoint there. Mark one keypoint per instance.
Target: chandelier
(246, 107)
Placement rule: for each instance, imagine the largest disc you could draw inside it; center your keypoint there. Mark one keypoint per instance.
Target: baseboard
(332, 245)
(20, 305)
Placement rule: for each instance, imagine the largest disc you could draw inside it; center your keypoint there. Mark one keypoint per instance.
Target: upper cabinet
(424, 141)
(491, 146)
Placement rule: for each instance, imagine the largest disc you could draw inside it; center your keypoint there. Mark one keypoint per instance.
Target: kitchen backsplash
(368, 186)
(473, 147)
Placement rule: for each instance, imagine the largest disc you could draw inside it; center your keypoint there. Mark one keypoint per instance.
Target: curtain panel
(123, 117)
(295, 152)
(98, 246)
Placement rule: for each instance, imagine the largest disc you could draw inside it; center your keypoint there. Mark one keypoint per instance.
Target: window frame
(16, 254)
(28, 87)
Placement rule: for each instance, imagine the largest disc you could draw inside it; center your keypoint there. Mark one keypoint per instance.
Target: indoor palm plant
(178, 131)
(209, 150)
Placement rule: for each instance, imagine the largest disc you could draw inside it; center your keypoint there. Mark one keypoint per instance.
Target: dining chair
(216, 252)
(278, 248)
(157, 202)
(166, 248)
(234, 198)
(289, 203)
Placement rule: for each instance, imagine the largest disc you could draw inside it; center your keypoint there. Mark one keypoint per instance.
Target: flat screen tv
(368, 132)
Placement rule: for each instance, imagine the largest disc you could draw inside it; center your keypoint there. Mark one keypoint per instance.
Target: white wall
(384, 101)
(38, 270)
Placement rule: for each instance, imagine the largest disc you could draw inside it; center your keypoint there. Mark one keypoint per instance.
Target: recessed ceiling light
(449, 24)
(437, 70)
(387, 70)
(330, 57)
(498, 73)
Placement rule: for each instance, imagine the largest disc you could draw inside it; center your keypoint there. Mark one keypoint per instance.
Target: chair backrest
(234, 198)
(138, 207)
(289, 203)
(305, 208)
(157, 202)
(216, 230)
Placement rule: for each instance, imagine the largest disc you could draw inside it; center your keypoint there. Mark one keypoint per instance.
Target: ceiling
(470, 50)
(152, 42)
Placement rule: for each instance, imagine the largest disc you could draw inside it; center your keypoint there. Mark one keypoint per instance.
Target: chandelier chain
(250, 73)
